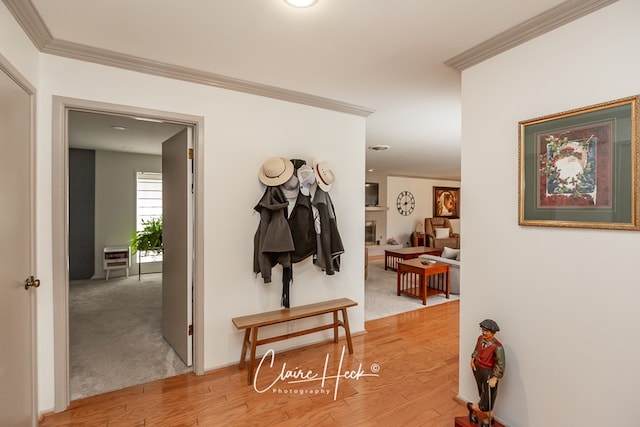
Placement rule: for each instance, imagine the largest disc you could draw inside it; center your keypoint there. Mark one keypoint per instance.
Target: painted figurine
(487, 363)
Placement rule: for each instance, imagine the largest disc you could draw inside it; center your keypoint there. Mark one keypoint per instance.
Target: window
(148, 206)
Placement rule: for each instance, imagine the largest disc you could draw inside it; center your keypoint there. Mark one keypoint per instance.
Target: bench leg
(347, 331)
(243, 354)
(252, 361)
(335, 328)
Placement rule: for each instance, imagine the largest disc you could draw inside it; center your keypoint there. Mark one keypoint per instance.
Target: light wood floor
(417, 358)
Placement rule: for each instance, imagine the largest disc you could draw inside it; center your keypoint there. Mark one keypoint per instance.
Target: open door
(17, 260)
(177, 240)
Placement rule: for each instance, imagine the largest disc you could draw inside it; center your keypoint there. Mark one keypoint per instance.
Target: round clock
(406, 203)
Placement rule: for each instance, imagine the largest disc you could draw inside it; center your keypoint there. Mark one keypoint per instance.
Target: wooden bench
(253, 322)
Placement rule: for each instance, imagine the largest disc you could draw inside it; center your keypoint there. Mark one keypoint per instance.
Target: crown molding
(28, 17)
(129, 62)
(540, 24)
(32, 23)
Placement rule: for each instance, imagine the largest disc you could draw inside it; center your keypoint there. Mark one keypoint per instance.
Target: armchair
(441, 238)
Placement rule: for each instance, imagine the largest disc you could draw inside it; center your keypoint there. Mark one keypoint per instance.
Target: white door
(177, 240)
(17, 303)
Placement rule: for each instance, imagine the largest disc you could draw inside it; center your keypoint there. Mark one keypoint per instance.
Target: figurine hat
(489, 325)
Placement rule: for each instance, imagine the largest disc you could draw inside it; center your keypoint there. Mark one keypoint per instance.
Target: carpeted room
(116, 335)
(381, 299)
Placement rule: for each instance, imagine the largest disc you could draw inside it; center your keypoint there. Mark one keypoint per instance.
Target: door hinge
(190, 329)
(190, 154)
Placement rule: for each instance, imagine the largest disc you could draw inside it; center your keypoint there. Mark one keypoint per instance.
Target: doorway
(63, 109)
(116, 335)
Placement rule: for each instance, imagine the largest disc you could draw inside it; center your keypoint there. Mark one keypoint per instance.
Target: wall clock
(406, 203)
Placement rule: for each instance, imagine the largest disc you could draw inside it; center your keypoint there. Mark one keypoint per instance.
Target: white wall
(566, 299)
(241, 132)
(400, 226)
(115, 213)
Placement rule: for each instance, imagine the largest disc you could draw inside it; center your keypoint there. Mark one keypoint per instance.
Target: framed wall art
(580, 168)
(446, 202)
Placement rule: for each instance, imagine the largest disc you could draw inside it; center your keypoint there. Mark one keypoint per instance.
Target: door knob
(31, 282)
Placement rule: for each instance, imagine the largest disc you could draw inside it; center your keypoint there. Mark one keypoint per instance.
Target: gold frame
(596, 186)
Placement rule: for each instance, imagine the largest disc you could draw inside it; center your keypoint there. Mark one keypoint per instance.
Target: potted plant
(149, 239)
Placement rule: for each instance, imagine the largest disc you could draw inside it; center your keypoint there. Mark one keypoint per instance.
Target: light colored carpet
(115, 335)
(380, 294)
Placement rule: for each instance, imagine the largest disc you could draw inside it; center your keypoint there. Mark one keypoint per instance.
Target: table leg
(448, 279)
(423, 286)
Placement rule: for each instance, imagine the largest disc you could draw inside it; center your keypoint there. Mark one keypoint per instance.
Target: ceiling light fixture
(118, 127)
(301, 3)
(378, 147)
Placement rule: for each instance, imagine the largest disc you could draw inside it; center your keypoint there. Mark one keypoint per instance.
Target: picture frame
(446, 202)
(579, 168)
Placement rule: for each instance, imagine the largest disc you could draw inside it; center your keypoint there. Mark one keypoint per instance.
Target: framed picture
(446, 202)
(580, 168)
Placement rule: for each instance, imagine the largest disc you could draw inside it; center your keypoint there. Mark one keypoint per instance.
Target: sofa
(452, 257)
(439, 232)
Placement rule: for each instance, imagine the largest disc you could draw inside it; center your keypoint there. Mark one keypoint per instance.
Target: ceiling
(397, 62)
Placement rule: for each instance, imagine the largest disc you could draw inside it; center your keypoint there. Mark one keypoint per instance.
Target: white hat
(275, 171)
(291, 187)
(325, 176)
(307, 177)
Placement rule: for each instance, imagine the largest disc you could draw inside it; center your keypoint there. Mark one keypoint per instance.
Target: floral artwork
(569, 167)
(580, 168)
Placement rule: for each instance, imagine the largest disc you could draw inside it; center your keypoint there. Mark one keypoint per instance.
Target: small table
(419, 239)
(393, 256)
(416, 279)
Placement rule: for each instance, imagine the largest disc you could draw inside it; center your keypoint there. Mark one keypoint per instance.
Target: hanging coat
(273, 243)
(302, 231)
(328, 240)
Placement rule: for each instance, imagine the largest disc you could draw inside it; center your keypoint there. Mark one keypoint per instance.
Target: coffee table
(419, 280)
(393, 256)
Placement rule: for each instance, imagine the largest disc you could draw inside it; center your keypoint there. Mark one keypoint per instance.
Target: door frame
(30, 90)
(60, 215)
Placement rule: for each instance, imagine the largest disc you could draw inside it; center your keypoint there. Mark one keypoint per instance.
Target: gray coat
(273, 243)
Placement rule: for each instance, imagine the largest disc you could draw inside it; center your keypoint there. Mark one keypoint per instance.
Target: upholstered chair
(440, 233)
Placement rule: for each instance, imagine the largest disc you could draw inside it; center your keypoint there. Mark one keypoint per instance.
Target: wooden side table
(419, 239)
(415, 279)
(393, 256)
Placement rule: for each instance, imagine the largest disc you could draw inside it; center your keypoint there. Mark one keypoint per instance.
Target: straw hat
(276, 171)
(325, 176)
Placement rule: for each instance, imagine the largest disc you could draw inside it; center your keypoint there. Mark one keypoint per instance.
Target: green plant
(149, 239)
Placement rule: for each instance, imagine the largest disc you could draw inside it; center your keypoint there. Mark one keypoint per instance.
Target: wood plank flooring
(414, 354)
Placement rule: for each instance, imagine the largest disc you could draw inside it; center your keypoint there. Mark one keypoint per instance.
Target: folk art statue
(487, 364)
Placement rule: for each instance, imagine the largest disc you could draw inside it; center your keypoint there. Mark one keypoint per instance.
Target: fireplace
(369, 232)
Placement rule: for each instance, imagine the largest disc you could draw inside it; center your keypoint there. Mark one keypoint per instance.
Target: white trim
(528, 30)
(32, 23)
